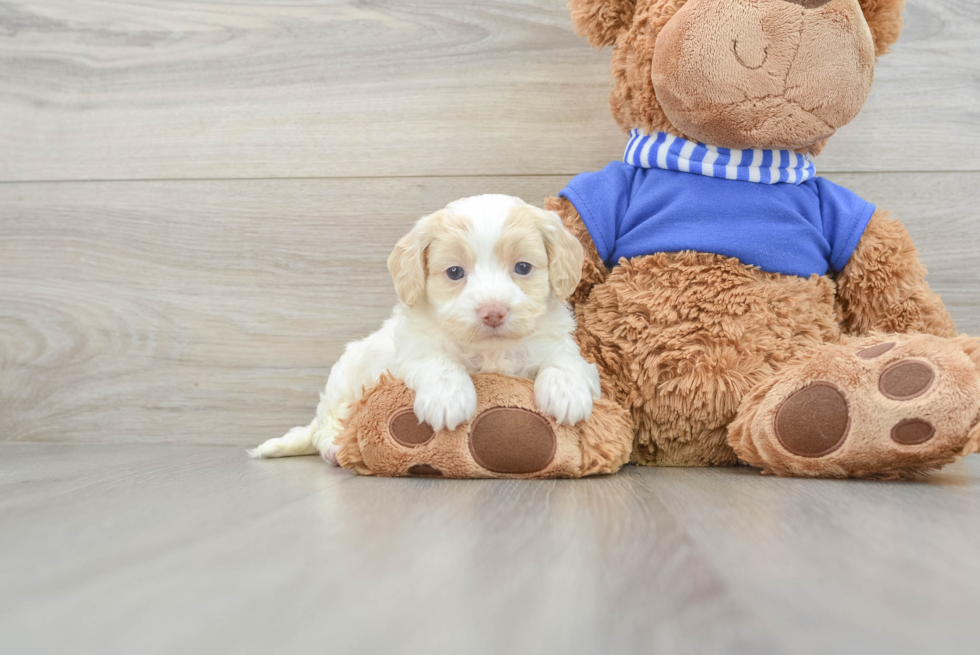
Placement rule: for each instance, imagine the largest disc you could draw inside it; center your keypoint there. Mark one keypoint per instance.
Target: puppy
(483, 286)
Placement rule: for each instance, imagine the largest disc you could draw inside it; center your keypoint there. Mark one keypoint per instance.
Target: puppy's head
(487, 267)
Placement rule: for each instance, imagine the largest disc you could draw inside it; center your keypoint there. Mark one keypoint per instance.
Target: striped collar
(672, 153)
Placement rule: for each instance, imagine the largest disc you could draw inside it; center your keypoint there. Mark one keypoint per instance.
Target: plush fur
(705, 352)
(883, 287)
(680, 338)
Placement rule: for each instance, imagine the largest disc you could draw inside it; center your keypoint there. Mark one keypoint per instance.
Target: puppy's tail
(298, 441)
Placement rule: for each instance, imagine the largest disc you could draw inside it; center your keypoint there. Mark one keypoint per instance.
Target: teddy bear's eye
(455, 273)
(522, 268)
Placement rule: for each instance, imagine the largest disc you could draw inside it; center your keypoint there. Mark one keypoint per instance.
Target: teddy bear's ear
(601, 21)
(885, 20)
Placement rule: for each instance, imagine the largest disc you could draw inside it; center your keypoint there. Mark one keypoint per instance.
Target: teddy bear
(740, 308)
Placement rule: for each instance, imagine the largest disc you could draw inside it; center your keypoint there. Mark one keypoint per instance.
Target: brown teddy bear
(740, 308)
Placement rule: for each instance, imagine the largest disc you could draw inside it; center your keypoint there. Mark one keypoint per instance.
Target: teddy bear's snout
(807, 65)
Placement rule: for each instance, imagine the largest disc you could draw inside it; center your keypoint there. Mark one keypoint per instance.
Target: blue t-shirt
(793, 229)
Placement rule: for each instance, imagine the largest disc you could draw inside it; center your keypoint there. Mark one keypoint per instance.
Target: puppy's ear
(407, 261)
(601, 21)
(565, 254)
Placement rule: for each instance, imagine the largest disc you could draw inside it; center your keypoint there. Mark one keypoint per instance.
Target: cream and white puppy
(483, 285)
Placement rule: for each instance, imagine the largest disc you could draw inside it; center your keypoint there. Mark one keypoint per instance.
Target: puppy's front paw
(565, 394)
(445, 401)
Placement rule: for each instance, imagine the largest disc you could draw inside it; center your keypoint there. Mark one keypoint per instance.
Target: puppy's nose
(492, 314)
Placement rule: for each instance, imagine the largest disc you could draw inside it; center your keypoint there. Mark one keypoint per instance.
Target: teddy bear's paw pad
(424, 471)
(876, 351)
(406, 429)
(814, 421)
(512, 441)
(906, 380)
(912, 432)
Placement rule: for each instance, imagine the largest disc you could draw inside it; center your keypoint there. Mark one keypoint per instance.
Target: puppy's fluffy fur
(483, 286)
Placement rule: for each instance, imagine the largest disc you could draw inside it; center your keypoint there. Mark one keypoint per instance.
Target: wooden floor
(197, 200)
(163, 548)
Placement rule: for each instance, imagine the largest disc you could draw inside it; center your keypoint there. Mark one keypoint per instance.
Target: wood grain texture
(203, 311)
(176, 548)
(211, 311)
(105, 90)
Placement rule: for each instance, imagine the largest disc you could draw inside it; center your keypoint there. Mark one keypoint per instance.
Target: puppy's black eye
(522, 268)
(455, 273)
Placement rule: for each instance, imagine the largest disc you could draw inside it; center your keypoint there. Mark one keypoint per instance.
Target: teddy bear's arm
(883, 286)
(594, 270)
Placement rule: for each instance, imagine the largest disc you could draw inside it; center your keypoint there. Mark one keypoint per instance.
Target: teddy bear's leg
(883, 406)
(508, 436)
(681, 338)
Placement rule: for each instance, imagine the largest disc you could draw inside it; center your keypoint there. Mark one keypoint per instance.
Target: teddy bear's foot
(508, 437)
(503, 440)
(882, 407)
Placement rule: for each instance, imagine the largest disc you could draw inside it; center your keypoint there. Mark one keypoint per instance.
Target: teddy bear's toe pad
(512, 441)
(424, 471)
(866, 410)
(406, 428)
(912, 432)
(906, 380)
(876, 351)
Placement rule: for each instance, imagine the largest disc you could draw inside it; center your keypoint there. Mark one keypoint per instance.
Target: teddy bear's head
(780, 74)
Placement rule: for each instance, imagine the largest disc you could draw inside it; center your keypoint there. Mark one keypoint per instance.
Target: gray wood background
(197, 198)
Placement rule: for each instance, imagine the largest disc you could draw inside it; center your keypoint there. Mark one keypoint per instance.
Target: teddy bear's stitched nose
(809, 4)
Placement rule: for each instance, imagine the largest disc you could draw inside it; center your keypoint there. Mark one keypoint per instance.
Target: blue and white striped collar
(672, 153)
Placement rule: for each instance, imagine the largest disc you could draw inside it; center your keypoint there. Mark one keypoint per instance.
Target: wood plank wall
(197, 198)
